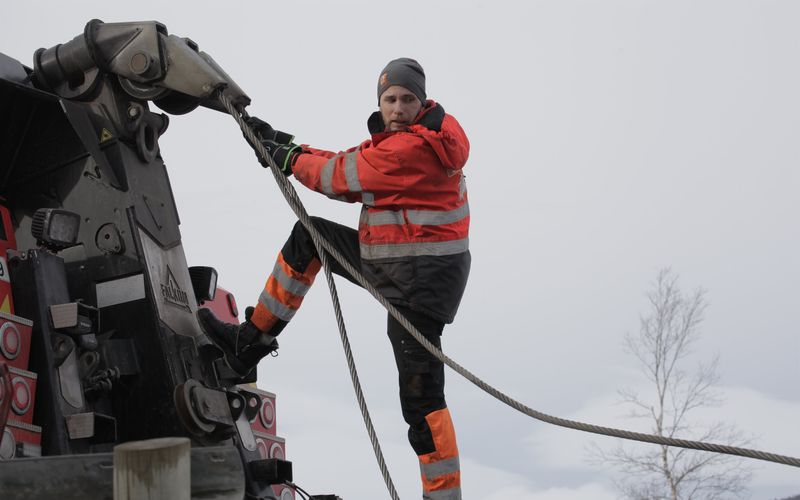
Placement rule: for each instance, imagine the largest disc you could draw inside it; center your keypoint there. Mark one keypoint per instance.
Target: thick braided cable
(570, 424)
(291, 195)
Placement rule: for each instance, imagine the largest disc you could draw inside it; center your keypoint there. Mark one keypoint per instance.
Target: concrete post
(155, 469)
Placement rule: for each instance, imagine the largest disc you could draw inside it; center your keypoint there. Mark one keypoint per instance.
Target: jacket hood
(440, 130)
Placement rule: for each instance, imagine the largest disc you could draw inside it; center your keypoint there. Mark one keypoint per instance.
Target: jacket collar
(440, 131)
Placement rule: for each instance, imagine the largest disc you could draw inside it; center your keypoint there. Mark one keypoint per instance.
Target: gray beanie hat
(406, 73)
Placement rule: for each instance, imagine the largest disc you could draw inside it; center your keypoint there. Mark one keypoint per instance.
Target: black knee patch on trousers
(415, 386)
(299, 251)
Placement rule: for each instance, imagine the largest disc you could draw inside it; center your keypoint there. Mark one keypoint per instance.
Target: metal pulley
(207, 413)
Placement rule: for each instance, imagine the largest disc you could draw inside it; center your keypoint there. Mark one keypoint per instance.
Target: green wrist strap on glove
(278, 145)
(284, 155)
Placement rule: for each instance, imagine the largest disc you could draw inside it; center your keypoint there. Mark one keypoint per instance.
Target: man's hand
(266, 132)
(283, 155)
(278, 145)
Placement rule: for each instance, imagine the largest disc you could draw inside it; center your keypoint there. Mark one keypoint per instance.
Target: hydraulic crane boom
(149, 63)
(102, 293)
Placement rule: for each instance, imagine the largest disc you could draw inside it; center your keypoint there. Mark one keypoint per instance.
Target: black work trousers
(421, 375)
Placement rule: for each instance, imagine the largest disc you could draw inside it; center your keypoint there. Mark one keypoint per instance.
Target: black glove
(265, 131)
(283, 155)
(278, 144)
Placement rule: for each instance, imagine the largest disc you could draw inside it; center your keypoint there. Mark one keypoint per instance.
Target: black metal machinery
(100, 269)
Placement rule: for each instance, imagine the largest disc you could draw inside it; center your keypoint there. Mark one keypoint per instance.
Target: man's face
(399, 107)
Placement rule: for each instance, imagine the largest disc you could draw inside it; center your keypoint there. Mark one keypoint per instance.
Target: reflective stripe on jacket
(415, 206)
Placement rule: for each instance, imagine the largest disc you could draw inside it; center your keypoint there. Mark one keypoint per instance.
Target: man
(412, 244)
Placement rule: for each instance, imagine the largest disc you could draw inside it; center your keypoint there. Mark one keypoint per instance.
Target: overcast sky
(609, 139)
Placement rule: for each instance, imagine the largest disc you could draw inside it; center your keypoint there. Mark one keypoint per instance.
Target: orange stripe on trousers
(305, 277)
(444, 438)
(262, 317)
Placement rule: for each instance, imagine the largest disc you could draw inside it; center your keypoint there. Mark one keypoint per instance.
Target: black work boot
(244, 345)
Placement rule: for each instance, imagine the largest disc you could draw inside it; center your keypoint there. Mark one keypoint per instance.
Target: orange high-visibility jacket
(414, 226)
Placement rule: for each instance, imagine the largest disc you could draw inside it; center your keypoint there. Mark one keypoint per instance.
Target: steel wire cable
(294, 201)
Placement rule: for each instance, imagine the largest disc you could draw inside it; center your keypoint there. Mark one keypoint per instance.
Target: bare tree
(651, 472)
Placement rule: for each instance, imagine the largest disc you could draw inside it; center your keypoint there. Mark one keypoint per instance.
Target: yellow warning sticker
(106, 135)
(6, 307)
